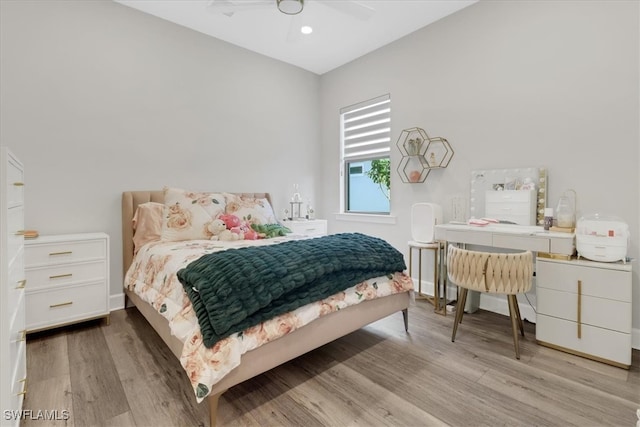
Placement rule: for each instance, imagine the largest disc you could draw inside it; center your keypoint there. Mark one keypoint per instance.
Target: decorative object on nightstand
(13, 349)
(68, 279)
(420, 154)
(424, 218)
(585, 308)
(565, 213)
(296, 204)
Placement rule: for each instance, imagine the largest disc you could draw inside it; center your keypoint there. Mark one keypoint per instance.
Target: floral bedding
(152, 276)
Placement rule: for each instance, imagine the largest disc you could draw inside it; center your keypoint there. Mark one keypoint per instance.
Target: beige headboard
(130, 202)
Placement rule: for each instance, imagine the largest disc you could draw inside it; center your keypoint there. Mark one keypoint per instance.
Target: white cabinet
(584, 308)
(307, 227)
(13, 366)
(517, 206)
(68, 279)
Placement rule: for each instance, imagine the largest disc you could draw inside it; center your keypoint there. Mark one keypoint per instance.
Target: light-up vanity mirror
(510, 195)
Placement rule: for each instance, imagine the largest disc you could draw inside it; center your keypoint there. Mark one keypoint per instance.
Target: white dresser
(13, 366)
(307, 227)
(67, 279)
(584, 308)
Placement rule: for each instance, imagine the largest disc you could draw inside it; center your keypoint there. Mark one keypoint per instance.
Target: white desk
(508, 236)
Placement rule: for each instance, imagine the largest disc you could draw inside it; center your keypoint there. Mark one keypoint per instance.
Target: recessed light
(306, 29)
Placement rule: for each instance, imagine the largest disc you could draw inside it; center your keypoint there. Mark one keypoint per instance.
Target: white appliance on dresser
(68, 279)
(13, 349)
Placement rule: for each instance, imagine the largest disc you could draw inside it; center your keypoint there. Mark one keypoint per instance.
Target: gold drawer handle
(60, 276)
(24, 387)
(19, 233)
(579, 320)
(22, 284)
(61, 304)
(60, 253)
(19, 184)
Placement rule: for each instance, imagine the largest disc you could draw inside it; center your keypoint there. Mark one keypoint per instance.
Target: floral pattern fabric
(152, 276)
(188, 215)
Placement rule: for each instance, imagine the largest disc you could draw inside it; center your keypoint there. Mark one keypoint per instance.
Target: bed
(265, 357)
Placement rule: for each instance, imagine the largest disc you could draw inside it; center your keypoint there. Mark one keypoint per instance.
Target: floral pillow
(250, 209)
(188, 215)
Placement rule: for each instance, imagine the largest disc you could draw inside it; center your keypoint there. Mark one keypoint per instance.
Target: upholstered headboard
(130, 202)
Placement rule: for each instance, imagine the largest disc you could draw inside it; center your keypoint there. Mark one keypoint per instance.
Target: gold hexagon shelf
(421, 154)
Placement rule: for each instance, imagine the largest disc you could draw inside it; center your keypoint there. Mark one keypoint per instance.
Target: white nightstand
(67, 279)
(307, 227)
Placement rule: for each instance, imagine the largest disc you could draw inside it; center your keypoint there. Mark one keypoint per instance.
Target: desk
(508, 236)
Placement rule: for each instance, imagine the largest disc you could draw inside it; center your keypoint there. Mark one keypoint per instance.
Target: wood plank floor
(124, 375)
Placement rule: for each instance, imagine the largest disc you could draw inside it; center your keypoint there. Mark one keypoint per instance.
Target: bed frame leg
(405, 317)
(213, 408)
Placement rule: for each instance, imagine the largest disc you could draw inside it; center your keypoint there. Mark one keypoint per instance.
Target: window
(365, 130)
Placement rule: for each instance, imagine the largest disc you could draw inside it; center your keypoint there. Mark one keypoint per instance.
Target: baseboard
(116, 302)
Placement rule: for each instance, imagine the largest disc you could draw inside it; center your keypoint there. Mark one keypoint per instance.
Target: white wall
(98, 98)
(509, 84)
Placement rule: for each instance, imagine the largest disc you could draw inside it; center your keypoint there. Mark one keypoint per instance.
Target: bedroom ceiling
(343, 30)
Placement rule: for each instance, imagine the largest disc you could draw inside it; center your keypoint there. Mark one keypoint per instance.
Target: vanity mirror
(515, 195)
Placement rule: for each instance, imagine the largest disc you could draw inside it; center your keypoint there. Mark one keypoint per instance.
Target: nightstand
(307, 227)
(67, 279)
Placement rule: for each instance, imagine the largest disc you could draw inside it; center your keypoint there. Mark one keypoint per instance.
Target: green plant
(380, 173)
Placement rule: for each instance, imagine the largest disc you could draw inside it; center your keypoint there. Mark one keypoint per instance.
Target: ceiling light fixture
(290, 7)
(306, 29)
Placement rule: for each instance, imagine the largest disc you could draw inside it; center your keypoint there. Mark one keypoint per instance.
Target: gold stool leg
(514, 323)
(459, 311)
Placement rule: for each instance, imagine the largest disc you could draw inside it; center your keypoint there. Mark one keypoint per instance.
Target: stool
(435, 299)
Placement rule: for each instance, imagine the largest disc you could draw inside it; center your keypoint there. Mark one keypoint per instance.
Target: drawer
(63, 252)
(19, 379)
(47, 308)
(17, 330)
(64, 274)
(600, 312)
(510, 197)
(470, 237)
(15, 279)
(516, 242)
(599, 342)
(15, 228)
(15, 183)
(307, 228)
(597, 282)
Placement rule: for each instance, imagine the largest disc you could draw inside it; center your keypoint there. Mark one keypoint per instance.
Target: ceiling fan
(291, 7)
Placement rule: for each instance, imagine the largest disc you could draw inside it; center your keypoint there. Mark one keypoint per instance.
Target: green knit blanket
(235, 289)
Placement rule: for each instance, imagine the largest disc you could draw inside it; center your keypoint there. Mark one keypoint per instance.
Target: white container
(602, 238)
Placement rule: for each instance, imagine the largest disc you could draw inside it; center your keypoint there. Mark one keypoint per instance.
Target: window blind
(366, 129)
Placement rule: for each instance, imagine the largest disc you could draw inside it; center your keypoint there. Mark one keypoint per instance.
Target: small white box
(602, 238)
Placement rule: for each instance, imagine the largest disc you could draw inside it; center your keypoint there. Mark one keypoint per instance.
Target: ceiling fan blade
(229, 7)
(353, 8)
(294, 34)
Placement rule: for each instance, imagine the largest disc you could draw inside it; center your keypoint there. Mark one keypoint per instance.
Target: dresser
(307, 227)
(584, 308)
(13, 350)
(67, 279)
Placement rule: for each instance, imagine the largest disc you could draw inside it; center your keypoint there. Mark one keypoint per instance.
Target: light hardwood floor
(124, 375)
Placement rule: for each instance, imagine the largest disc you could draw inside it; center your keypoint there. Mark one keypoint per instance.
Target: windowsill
(370, 218)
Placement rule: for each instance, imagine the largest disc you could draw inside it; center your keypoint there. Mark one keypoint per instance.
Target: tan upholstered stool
(500, 273)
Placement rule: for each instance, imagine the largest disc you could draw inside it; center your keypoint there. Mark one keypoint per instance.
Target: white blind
(366, 129)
